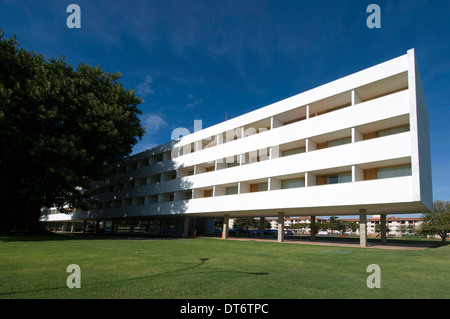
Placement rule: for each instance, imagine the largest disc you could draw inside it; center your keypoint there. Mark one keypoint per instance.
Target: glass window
(293, 151)
(207, 193)
(340, 178)
(232, 190)
(394, 130)
(293, 183)
(394, 171)
(341, 141)
(263, 187)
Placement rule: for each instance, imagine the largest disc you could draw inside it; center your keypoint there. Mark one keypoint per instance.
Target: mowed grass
(213, 268)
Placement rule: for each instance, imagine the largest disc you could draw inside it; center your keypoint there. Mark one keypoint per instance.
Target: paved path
(397, 246)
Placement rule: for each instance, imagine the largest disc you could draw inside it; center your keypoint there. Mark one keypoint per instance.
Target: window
(341, 141)
(262, 187)
(394, 171)
(340, 178)
(207, 193)
(151, 199)
(293, 151)
(293, 183)
(394, 130)
(232, 190)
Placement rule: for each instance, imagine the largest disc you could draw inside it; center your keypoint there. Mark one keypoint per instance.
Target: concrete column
(310, 179)
(274, 152)
(132, 227)
(280, 227)
(355, 98)
(262, 221)
(274, 123)
(313, 228)
(357, 174)
(226, 220)
(356, 135)
(186, 227)
(362, 228)
(310, 145)
(383, 229)
(274, 184)
(113, 226)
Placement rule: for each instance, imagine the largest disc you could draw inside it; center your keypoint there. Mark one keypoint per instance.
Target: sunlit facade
(356, 146)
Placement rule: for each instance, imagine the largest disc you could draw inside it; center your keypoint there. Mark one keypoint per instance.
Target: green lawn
(214, 268)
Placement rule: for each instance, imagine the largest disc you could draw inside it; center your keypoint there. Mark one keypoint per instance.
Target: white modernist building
(356, 146)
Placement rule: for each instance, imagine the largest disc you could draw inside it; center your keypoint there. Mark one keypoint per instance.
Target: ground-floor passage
(281, 228)
(151, 226)
(192, 226)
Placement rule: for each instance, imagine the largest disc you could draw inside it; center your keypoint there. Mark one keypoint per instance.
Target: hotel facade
(359, 145)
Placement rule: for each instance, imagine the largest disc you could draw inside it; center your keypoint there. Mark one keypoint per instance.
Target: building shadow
(171, 273)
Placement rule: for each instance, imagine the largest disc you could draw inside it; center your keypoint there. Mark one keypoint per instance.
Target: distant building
(397, 226)
(288, 221)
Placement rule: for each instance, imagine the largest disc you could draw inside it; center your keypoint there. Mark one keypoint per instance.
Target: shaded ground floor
(186, 226)
(201, 228)
(157, 226)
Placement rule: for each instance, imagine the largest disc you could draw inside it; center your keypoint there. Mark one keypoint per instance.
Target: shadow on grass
(170, 273)
(50, 236)
(411, 241)
(440, 244)
(42, 235)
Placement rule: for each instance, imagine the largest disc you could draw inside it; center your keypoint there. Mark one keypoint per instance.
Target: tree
(246, 223)
(350, 226)
(437, 221)
(60, 129)
(333, 224)
(267, 224)
(218, 223)
(336, 224)
(406, 230)
(378, 228)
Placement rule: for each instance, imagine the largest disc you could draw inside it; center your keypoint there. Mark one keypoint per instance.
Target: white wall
(420, 136)
(403, 194)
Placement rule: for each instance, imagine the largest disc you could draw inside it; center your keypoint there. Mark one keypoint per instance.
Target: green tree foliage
(323, 226)
(378, 228)
(246, 223)
(437, 221)
(60, 129)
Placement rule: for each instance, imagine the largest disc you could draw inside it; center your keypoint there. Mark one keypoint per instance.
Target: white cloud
(153, 122)
(193, 101)
(145, 88)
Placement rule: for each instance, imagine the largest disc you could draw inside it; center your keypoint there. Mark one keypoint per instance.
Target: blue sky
(207, 59)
